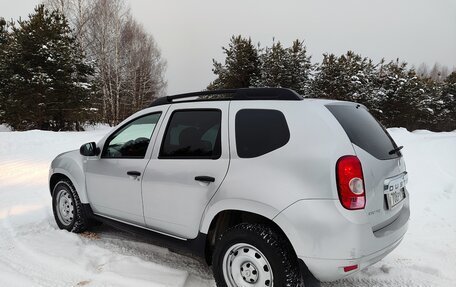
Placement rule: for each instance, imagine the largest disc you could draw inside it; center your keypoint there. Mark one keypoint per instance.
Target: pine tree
(275, 65)
(348, 77)
(402, 99)
(394, 93)
(3, 74)
(48, 85)
(451, 79)
(241, 68)
(447, 114)
(300, 68)
(286, 67)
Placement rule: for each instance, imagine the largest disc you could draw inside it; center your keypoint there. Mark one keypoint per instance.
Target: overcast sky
(191, 33)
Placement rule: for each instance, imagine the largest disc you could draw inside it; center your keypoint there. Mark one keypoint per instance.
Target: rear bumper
(332, 269)
(327, 237)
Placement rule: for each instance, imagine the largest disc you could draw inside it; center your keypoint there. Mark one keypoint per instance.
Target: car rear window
(364, 130)
(260, 131)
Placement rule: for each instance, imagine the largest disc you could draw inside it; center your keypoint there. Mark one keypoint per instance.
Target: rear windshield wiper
(396, 150)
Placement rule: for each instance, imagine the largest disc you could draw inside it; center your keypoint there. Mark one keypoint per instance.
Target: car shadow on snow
(130, 244)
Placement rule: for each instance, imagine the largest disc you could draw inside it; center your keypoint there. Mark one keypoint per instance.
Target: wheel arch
(78, 182)
(217, 221)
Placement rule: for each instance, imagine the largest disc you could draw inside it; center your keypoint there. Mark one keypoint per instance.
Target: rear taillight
(350, 182)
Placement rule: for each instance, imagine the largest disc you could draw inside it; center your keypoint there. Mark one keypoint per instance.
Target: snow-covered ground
(34, 252)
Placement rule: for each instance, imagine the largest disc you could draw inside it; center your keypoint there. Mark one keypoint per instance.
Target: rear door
(383, 169)
(188, 164)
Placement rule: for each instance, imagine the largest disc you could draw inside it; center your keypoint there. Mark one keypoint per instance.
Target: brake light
(350, 182)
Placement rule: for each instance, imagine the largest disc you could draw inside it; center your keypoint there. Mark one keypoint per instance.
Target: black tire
(275, 248)
(78, 222)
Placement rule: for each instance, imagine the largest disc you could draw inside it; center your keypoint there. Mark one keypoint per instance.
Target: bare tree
(104, 35)
(435, 74)
(129, 67)
(444, 73)
(143, 68)
(77, 13)
(439, 73)
(423, 71)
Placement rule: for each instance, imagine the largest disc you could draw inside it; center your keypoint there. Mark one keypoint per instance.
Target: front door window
(132, 140)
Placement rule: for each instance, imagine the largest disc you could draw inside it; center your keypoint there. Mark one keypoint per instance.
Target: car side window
(192, 134)
(132, 140)
(259, 131)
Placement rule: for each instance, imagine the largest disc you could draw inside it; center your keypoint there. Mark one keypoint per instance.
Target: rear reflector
(350, 182)
(350, 268)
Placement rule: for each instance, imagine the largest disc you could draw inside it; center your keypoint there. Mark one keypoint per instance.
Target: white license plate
(395, 190)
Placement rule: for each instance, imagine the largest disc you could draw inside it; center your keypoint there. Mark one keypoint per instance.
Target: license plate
(395, 190)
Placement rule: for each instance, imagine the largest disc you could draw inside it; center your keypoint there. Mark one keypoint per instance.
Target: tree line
(73, 62)
(396, 94)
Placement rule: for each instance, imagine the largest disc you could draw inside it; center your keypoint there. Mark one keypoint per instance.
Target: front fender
(70, 164)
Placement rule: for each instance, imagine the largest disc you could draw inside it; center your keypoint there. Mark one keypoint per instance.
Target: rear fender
(236, 204)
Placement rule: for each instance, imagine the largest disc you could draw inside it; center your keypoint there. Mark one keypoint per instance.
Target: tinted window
(132, 140)
(364, 130)
(193, 134)
(260, 131)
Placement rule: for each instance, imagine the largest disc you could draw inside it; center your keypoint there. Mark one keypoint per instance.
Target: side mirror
(89, 149)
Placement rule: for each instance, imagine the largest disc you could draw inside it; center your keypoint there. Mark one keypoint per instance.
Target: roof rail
(243, 94)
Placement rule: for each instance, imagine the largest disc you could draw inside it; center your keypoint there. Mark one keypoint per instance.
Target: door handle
(134, 173)
(204, 178)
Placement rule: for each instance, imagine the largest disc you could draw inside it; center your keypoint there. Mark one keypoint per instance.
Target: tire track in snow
(39, 264)
(27, 261)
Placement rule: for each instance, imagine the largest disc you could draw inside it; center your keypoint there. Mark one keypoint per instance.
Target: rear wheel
(244, 263)
(254, 255)
(67, 207)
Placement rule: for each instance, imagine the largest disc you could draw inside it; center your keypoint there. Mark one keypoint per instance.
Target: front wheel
(67, 208)
(254, 255)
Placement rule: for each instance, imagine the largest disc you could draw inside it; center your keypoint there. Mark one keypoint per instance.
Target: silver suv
(267, 187)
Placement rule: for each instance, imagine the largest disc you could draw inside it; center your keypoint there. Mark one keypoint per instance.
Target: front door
(188, 164)
(114, 179)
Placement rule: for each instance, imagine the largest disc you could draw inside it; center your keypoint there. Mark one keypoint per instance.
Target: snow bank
(96, 127)
(34, 252)
(4, 128)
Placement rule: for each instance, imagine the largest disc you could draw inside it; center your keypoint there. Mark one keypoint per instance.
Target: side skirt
(196, 246)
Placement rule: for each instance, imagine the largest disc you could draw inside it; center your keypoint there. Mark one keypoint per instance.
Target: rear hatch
(383, 166)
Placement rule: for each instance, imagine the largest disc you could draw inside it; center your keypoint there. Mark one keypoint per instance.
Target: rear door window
(364, 130)
(260, 131)
(193, 134)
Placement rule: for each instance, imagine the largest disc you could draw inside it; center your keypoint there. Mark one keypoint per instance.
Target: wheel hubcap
(249, 272)
(245, 266)
(65, 207)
